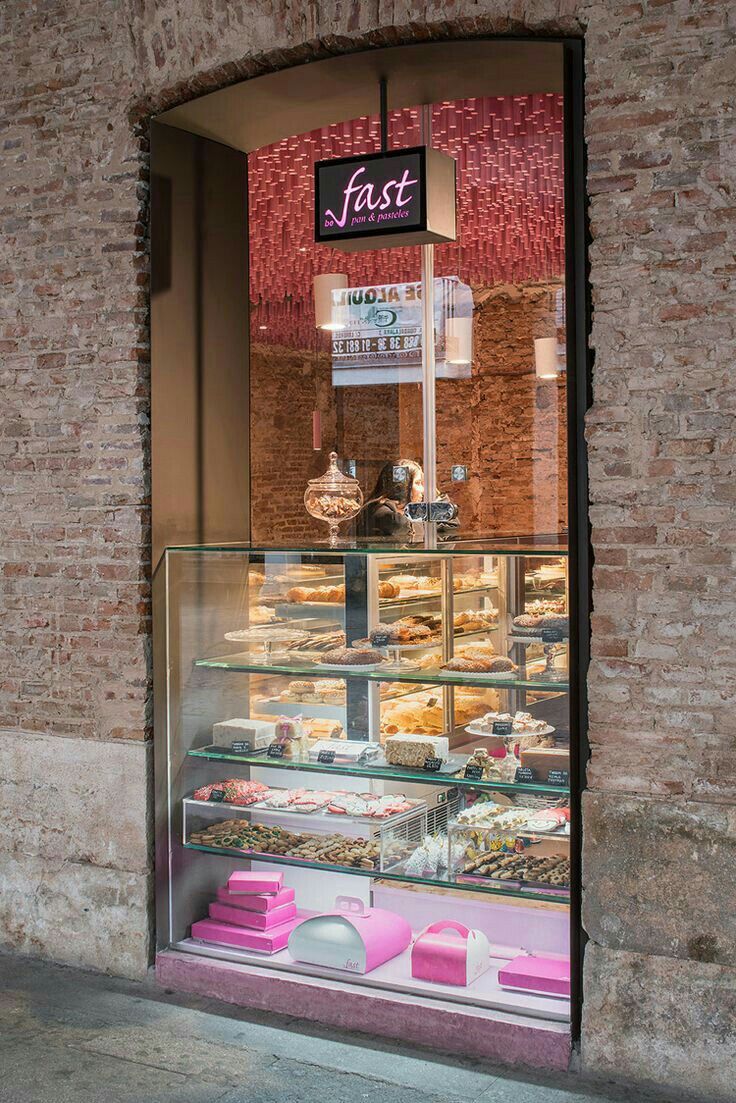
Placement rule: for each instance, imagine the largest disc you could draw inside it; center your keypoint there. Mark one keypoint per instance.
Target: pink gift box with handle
(354, 937)
(225, 934)
(447, 952)
(528, 973)
(260, 921)
(255, 902)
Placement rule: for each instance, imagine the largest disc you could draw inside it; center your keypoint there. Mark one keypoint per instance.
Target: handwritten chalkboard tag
(558, 777)
(432, 764)
(551, 635)
(473, 773)
(524, 774)
(276, 750)
(380, 639)
(240, 746)
(503, 727)
(217, 796)
(327, 757)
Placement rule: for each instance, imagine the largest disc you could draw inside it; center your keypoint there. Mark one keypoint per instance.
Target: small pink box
(248, 883)
(257, 921)
(252, 902)
(448, 952)
(224, 934)
(537, 974)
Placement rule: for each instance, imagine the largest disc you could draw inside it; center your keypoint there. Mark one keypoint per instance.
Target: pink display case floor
(510, 1027)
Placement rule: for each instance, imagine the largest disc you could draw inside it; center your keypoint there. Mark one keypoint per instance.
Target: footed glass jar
(333, 498)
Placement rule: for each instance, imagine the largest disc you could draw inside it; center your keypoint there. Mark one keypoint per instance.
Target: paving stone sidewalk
(72, 1037)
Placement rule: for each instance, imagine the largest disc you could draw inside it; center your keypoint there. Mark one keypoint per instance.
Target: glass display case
(387, 726)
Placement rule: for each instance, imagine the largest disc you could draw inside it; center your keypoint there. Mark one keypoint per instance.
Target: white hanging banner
(377, 334)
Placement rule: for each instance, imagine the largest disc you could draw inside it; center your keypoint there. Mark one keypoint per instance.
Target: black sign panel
(217, 796)
(558, 777)
(551, 635)
(503, 727)
(240, 746)
(473, 773)
(381, 193)
(276, 750)
(327, 757)
(524, 774)
(432, 764)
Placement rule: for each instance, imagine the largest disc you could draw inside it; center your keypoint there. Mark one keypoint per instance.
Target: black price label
(240, 746)
(432, 764)
(473, 773)
(524, 774)
(276, 750)
(328, 757)
(551, 635)
(503, 727)
(558, 777)
(217, 796)
(380, 639)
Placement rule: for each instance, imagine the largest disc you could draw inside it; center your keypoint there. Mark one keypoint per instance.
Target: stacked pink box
(252, 912)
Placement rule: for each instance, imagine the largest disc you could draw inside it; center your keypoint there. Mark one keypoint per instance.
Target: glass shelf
(381, 773)
(427, 676)
(534, 546)
(550, 896)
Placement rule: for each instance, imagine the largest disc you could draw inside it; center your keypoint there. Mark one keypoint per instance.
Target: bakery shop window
(336, 337)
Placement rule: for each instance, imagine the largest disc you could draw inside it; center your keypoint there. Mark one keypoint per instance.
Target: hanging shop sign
(376, 332)
(399, 197)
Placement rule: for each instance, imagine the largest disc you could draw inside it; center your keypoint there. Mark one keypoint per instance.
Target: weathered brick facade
(78, 80)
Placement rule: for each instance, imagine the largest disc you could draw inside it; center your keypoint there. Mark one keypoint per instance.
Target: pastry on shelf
(412, 585)
(420, 715)
(414, 750)
(289, 733)
(319, 641)
(475, 620)
(523, 723)
(499, 666)
(399, 632)
(351, 656)
(488, 766)
(472, 701)
(235, 790)
(317, 728)
(529, 624)
(322, 595)
(262, 614)
(542, 605)
(388, 590)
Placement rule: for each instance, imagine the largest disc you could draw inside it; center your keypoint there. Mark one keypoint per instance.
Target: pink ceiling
(509, 153)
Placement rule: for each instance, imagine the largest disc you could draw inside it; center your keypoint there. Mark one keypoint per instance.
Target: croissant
(388, 589)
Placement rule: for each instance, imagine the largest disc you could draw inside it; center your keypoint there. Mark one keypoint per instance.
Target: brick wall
(506, 425)
(77, 79)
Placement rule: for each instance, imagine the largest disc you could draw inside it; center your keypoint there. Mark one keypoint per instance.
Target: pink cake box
(251, 882)
(448, 952)
(548, 975)
(353, 938)
(241, 938)
(253, 902)
(257, 921)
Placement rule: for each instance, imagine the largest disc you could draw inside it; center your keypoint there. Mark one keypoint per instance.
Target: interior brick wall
(506, 425)
(77, 81)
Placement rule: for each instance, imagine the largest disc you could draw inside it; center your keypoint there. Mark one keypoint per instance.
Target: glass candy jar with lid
(333, 497)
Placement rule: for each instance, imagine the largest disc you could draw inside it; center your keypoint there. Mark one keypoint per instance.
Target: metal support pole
(383, 86)
(429, 413)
